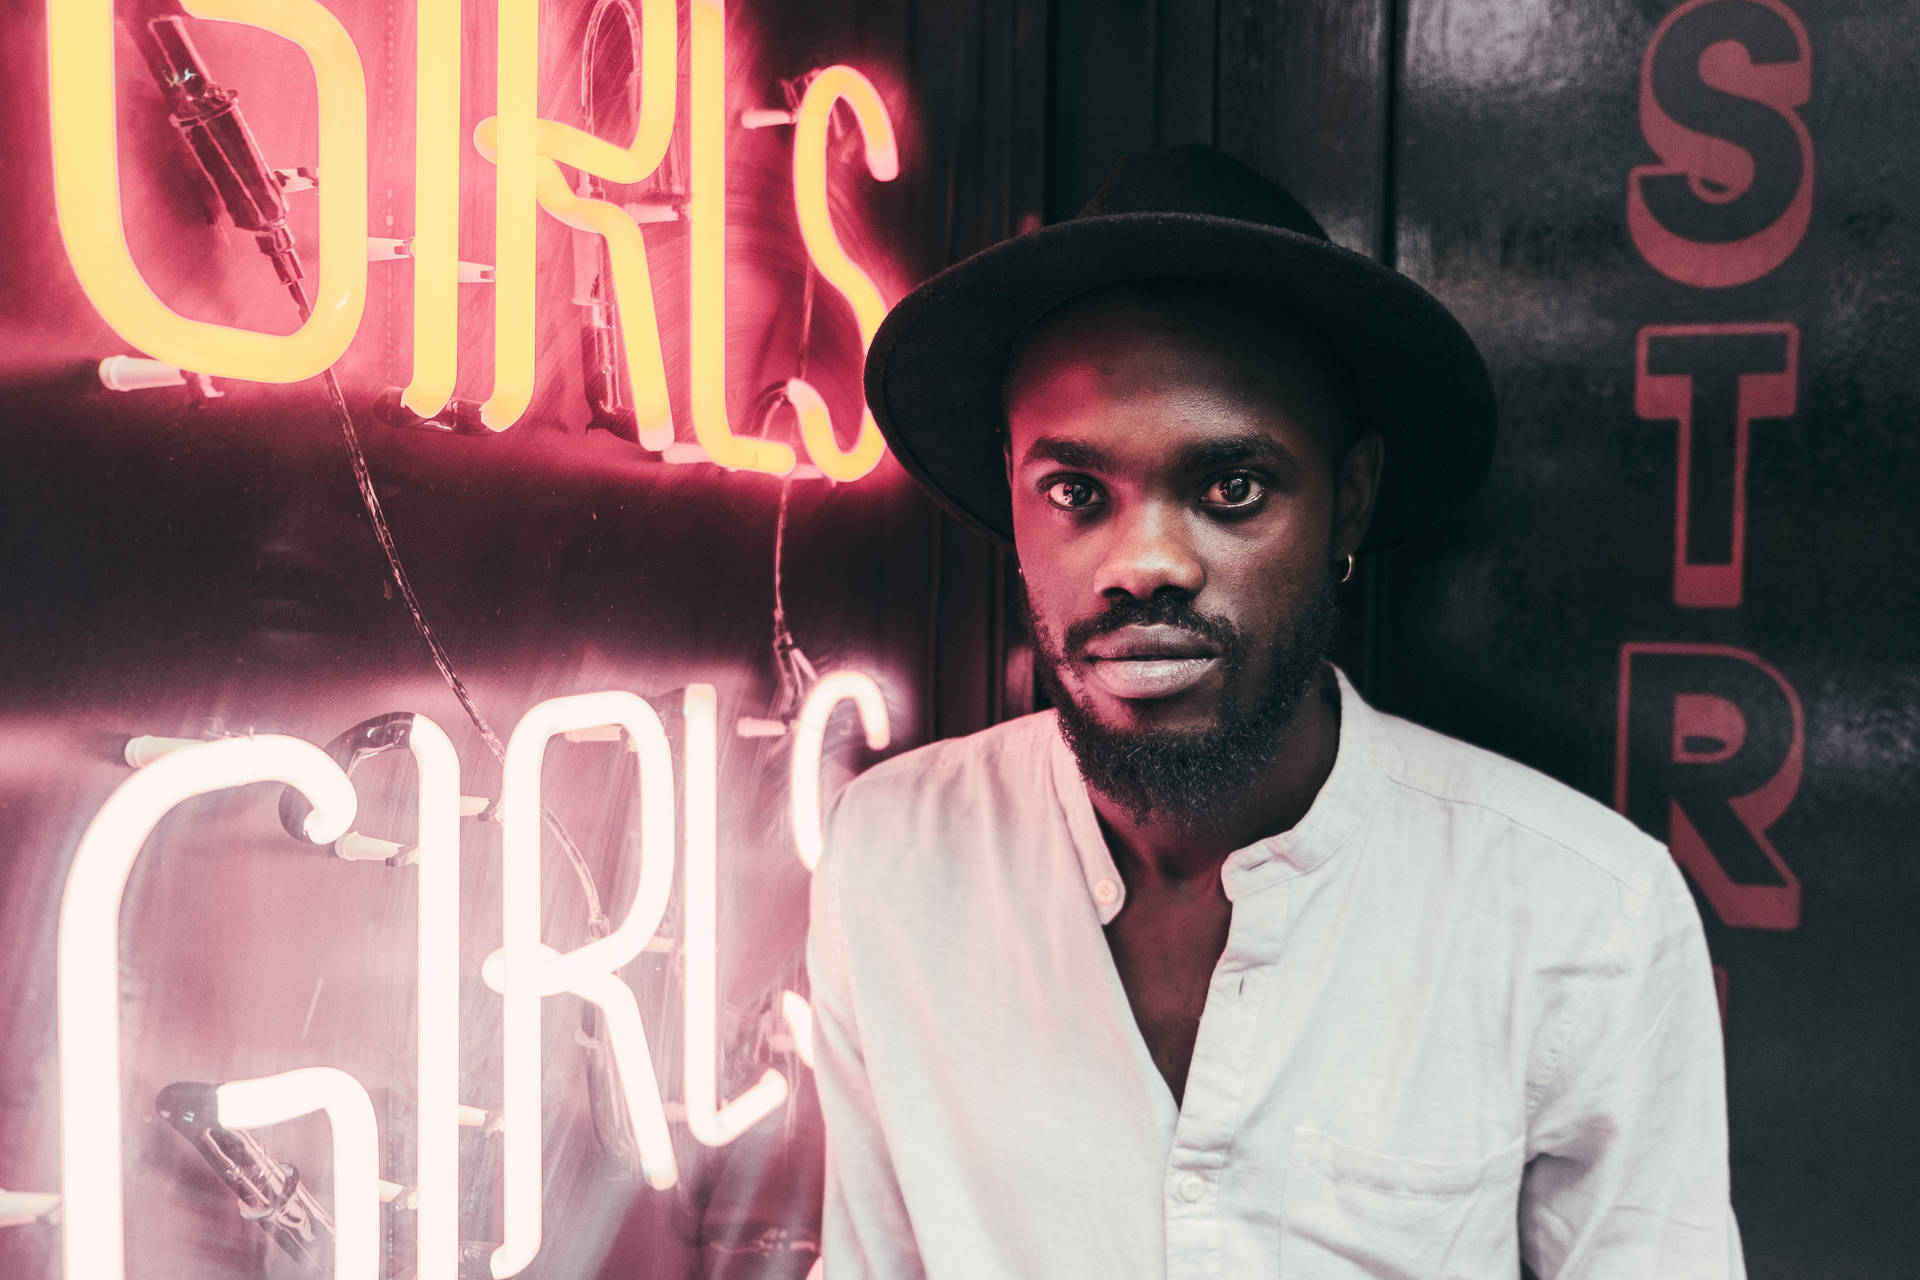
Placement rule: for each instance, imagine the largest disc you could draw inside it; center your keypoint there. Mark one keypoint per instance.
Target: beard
(1188, 779)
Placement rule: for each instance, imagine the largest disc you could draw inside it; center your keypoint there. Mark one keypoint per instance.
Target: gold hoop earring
(1349, 573)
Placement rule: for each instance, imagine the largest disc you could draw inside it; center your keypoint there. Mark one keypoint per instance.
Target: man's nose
(1150, 550)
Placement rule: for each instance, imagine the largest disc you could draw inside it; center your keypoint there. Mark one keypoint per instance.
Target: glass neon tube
(436, 207)
(712, 1122)
(833, 85)
(437, 996)
(707, 214)
(275, 1099)
(526, 971)
(88, 961)
(810, 734)
(517, 68)
(86, 182)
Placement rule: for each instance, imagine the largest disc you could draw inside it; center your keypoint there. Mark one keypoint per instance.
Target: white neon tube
(87, 974)
(270, 1100)
(809, 735)
(526, 971)
(712, 1123)
(639, 1087)
(437, 995)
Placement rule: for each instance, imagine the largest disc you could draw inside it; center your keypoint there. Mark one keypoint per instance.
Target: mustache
(1159, 610)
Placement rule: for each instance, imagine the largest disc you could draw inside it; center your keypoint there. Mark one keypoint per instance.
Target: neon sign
(524, 970)
(527, 153)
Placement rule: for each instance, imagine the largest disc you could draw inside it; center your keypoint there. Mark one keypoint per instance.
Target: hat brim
(936, 368)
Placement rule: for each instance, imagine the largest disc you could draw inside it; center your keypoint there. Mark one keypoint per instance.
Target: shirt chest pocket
(1349, 1214)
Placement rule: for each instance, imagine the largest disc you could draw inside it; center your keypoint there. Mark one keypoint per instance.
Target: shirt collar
(1330, 822)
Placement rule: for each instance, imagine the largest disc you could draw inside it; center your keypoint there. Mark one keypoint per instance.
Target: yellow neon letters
(555, 144)
(707, 212)
(528, 153)
(838, 84)
(436, 208)
(86, 181)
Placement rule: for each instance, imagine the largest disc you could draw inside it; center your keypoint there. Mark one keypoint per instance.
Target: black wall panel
(1569, 618)
(1742, 682)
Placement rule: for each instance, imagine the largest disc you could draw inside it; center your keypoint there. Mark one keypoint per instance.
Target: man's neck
(1177, 853)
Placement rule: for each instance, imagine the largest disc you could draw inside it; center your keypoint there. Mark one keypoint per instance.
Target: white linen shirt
(1464, 1016)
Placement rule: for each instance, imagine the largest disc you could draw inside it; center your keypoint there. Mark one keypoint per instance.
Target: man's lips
(1146, 662)
(1148, 643)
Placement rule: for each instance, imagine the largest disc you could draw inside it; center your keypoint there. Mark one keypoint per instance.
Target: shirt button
(1106, 892)
(1192, 1187)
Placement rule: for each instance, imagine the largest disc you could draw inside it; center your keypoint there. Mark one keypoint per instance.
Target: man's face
(1182, 484)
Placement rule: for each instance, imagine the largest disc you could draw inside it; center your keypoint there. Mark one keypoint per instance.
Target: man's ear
(1355, 490)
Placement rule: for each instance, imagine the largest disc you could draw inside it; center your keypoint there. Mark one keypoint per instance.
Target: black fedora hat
(935, 371)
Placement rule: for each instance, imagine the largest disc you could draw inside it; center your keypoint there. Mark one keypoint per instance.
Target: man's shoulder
(913, 831)
(955, 777)
(1547, 817)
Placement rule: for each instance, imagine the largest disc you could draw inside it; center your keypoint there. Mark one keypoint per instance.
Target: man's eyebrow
(1067, 453)
(1254, 446)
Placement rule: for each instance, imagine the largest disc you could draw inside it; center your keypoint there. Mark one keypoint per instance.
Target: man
(1214, 970)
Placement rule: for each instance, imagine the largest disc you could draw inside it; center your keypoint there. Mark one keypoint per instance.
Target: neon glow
(526, 971)
(270, 1100)
(833, 85)
(707, 214)
(80, 68)
(810, 735)
(88, 974)
(711, 1122)
(436, 208)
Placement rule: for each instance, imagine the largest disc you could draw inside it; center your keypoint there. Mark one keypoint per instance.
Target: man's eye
(1072, 495)
(1237, 490)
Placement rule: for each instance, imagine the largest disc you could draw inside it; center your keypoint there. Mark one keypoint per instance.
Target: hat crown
(936, 369)
(1198, 179)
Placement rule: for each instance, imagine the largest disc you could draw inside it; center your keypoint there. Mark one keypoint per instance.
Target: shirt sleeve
(1628, 1140)
(865, 1232)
